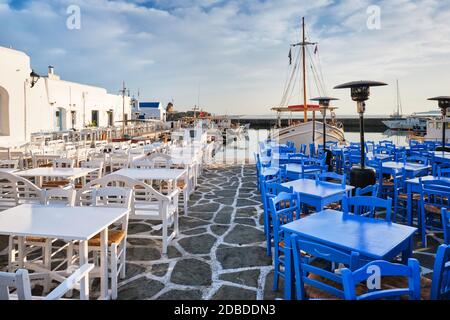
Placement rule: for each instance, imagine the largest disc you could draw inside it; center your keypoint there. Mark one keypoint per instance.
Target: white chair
(9, 164)
(94, 175)
(63, 163)
(158, 160)
(20, 280)
(59, 196)
(119, 162)
(117, 239)
(147, 204)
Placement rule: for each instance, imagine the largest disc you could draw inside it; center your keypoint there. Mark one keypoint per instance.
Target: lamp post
(444, 104)
(34, 78)
(324, 103)
(361, 177)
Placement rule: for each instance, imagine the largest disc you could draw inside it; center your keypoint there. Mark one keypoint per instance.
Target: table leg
(84, 284)
(407, 253)
(104, 264)
(288, 268)
(409, 205)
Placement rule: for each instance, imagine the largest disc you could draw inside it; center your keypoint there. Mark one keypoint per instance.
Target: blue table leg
(409, 205)
(407, 253)
(289, 268)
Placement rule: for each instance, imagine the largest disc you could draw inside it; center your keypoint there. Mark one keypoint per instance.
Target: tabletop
(374, 238)
(320, 189)
(152, 174)
(408, 166)
(426, 178)
(71, 223)
(8, 170)
(56, 172)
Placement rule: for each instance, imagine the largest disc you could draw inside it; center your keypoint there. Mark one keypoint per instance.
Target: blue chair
(446, 225)
(440, 288)
(373, 274)
(435, 196)
(312, 149)
(310, 167)
(302, 148)
(367, 206)
(327, 176)
(371, 191)
(314, 282)
(284, 208)
(400, 154)
(443, 171)
(296, 157)
(272, 189)
(418, 159)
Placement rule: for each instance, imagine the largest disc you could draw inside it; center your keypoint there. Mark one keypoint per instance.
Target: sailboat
(305, 132)
(399, 122)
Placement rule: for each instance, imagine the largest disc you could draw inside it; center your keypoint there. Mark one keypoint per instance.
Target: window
(94, 119)
(4, 112)
(110, 119)
(73, 117)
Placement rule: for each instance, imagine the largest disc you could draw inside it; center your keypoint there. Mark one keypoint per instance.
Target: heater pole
(361, 133)
(444, 113)
(324, 130)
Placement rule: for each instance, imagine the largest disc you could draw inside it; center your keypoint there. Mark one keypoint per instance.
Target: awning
(297, 108)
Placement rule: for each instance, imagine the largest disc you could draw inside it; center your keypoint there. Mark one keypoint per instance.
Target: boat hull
(303, 134)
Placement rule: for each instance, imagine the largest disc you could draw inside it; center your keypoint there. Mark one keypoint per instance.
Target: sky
(231, 56)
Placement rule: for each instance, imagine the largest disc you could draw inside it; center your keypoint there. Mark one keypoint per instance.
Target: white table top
(56, 172)
(152, 174)
(8, 170)
(68, 223)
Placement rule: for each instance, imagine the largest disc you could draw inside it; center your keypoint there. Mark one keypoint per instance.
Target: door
(94, 119)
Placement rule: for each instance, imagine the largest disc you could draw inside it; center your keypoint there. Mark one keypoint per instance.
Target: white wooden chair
(118, 162)
(20, 280)
(158, 160)
(94, 175)
(9, 164)
(63, 163)
(117, 239)
(148, 204)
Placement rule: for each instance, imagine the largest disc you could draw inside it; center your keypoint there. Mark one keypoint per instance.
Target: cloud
(236, 50)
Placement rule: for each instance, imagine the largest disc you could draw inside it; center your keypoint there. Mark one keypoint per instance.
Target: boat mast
(305, 100)
(399, 102)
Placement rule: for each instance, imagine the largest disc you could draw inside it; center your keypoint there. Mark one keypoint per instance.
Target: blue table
(373, 239)
(413, 186)
(440, 156)
(318, 193)
(412, 169)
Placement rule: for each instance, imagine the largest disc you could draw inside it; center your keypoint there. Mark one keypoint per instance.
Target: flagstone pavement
(220, 252)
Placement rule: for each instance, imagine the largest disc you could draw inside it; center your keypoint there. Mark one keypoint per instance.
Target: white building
(29, 104)
(151, 110)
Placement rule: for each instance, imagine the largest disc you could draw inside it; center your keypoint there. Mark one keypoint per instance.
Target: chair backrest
(19, 280)
(440, 287)
(9, 164)
(446, 225)
(418, 159)
(63, 163)
(332, 177)
(372, 274)
(367, 206)
(435, 193)
(62, 196)
(296, 157)
(112, 197)
(158, 160)
(93, 164)
(304, 268)
(443, 171)
(371, 191)
(284, 208)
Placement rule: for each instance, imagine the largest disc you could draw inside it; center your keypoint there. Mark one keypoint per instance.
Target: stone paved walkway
(220, 253)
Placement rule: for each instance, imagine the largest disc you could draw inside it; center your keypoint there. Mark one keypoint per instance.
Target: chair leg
(113, 267)
(47, 262)
(123, 260)
(164, 236)
(276, 270)
(11, 254)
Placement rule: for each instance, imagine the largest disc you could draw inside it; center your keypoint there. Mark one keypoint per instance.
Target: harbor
(256, 171)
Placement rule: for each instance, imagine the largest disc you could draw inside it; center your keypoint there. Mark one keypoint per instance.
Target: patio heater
(444, 104)
(360, 176)
(324, 103)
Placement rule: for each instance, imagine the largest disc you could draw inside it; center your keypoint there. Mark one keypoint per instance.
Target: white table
(70, 224)
(65, 173)
(170, 175)
(8, 170)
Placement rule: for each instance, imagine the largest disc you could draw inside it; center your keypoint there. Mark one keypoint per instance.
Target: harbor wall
(350, 124)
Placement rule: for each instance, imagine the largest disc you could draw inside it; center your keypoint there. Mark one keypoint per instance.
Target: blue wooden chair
(315, 282)
(311, 166)
(370, 191)
(332, 177)
(440, 288)
(284, 208)
(418, 159)
(435, 195)
(312, 149)
(302, 148)
(372, 274)
(296, 157)
(272, 189)
(443, 171)
(367, 206)
(446, 225)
